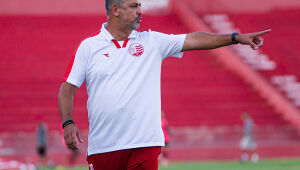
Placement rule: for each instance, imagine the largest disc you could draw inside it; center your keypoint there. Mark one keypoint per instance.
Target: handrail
(233, 63)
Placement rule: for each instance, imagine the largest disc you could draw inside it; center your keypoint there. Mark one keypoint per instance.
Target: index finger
(262, 32)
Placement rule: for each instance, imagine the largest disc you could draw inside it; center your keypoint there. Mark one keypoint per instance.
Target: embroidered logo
(107, 55)
(136, 49)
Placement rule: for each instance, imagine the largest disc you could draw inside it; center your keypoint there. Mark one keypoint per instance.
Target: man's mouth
(139, 19)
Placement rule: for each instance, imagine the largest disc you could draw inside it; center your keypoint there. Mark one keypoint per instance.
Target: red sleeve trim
(65, 78)
(69, 68)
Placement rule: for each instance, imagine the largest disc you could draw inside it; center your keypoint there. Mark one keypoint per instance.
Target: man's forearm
(65, 107)
(206, 41)
(65, 102)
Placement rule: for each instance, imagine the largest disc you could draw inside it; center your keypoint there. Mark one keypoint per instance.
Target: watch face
(233, 38)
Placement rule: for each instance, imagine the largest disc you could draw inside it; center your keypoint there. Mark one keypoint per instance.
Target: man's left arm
(206, 41)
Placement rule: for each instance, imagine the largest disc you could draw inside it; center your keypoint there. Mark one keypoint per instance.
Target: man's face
(131, 13)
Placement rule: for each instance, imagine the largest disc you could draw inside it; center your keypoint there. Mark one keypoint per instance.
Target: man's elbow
(66, 90)
(61, 93)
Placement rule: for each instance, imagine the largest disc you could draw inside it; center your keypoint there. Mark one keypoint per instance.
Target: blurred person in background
(41, 135)
(164, 156)
(121, 68)
(247, 144)
(73, 158)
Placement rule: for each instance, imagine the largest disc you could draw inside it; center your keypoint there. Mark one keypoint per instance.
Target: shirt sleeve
(76, 70)
(169, 44)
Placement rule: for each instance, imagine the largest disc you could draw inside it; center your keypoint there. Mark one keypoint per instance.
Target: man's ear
(115, 9)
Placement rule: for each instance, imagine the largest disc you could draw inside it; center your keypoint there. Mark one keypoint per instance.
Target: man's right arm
(65, 102)
(206, 41)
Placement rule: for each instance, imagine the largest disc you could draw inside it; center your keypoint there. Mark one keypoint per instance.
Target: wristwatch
(66, 123)
(233, 38)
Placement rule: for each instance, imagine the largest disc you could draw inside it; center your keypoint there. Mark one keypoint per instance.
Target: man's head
(127, 12)
(110, 3)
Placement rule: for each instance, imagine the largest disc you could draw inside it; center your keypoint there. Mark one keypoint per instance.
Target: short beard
(132, 25)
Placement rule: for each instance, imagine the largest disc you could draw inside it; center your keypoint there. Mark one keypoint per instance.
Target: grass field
(262, 165)
(289, 164)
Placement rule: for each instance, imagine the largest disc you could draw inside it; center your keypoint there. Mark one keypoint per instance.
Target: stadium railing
(233, 63)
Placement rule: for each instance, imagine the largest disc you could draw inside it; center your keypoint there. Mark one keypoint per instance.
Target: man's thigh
(130, 159)
(144, 159)
(106, 161)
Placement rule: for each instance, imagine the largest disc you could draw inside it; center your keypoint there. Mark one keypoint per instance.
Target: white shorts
(247, 143)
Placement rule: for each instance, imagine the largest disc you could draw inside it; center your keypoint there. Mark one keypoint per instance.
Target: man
(41, 142)
(41, 136)
(121, 68)
(247, 143)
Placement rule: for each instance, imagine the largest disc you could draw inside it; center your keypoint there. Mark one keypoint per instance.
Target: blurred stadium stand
(203, 94)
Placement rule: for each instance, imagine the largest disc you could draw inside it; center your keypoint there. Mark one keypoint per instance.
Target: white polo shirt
(123, 86)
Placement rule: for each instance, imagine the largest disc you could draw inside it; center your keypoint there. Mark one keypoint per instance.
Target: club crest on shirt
(136, 49)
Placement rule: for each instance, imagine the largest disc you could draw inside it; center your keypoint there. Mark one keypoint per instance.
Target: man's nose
(140, 11)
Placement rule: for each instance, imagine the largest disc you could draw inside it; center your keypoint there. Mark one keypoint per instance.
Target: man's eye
(135, 5)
